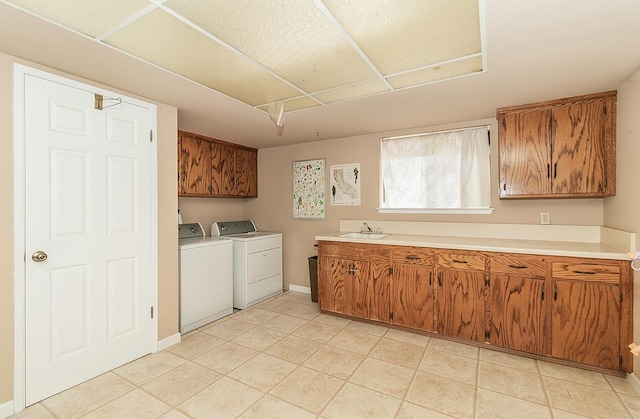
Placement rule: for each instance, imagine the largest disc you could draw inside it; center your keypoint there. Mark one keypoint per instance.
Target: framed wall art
(309, 189)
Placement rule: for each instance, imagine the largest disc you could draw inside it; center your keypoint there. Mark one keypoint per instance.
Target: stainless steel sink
(363, 235)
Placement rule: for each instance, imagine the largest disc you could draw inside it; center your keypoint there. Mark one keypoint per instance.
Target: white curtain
(437, 170)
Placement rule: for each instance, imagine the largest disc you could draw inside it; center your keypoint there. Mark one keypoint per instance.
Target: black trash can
(313, 277)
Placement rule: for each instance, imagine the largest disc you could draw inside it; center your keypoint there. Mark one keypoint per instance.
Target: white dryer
(206, 277)
(257, 261)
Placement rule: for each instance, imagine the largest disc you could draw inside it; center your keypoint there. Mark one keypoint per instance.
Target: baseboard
(634, 381)
(171, 340)
(299, 288)
(6, 409)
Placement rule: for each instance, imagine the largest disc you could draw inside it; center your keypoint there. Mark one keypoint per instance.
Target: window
(445, 171)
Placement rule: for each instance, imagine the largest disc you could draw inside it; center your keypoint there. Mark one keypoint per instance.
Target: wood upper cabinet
(517, 302)
(412, 284)
(210, 167)
(460, 294)
(586, 312)
(560, 148)
(353, 279)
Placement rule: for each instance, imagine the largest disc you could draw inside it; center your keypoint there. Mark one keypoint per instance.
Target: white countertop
(617, 248)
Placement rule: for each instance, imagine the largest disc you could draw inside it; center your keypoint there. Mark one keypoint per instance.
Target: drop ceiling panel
(91, 18)
(400, 35)
(295, 104)
(436, 73)
(293, 39)
(167, 42)
(353, 91)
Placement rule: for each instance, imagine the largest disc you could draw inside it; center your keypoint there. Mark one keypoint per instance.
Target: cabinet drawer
(518, 265)
(607, 271)
(412, 256)
(358, 251)
(461, 261)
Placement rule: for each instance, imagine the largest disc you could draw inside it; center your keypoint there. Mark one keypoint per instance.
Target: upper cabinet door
(579, 156)
(246, 172)
(194, 166)
(525, 153)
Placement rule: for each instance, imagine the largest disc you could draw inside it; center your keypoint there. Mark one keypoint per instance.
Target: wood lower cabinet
(586, 313)
(567, 308)
(460, 295)
(354, 280)
(214, 168)
(412, 287)
(517, 303)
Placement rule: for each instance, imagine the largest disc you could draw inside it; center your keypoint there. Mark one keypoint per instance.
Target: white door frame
(19, 221)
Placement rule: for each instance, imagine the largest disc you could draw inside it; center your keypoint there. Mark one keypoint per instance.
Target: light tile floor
(283, 359)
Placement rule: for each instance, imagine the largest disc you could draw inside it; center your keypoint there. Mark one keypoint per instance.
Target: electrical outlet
(545, 218)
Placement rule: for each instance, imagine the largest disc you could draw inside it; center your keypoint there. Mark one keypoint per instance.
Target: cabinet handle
(430, 278)
(584, 272)
(439, 279)
(459, 261)
(555, 292)
(548, 171)
(517, 266)
(412, 257)
(555, 170)
(542, 298)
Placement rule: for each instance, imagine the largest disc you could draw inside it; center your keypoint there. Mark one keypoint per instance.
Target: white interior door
(88, 305)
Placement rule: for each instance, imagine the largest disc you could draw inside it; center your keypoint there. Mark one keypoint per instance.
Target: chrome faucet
(365, 228)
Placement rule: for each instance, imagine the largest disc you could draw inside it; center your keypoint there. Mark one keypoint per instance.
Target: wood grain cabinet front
(214, 168)
(558, 149)
(566, 308)
(353, 279)
(588, 322)
(517, 302)
(412, 287)
(460, 294)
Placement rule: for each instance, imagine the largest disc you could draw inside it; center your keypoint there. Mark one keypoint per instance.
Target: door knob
(39, 256)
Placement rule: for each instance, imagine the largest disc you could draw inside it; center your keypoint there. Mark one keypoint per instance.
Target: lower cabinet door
(412, 297)
(371, 290)
(585, 323)
(460, 304)
(516, 307)
(335, 286)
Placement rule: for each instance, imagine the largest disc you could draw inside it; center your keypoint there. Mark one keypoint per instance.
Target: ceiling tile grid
(303, 53)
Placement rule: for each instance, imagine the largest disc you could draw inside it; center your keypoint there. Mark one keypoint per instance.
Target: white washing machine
(257, 261)
(206, 277)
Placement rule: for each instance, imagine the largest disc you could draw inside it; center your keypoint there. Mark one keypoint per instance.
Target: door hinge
(487, 334)
(391, 315)
(152, 312)
(605, 183)
(150, 135)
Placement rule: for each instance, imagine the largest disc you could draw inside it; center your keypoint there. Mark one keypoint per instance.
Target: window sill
(436, 210)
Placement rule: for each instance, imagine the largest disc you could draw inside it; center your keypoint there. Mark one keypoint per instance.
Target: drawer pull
(459, 261)
(412, 257)
(584, 272)
(517, 266)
